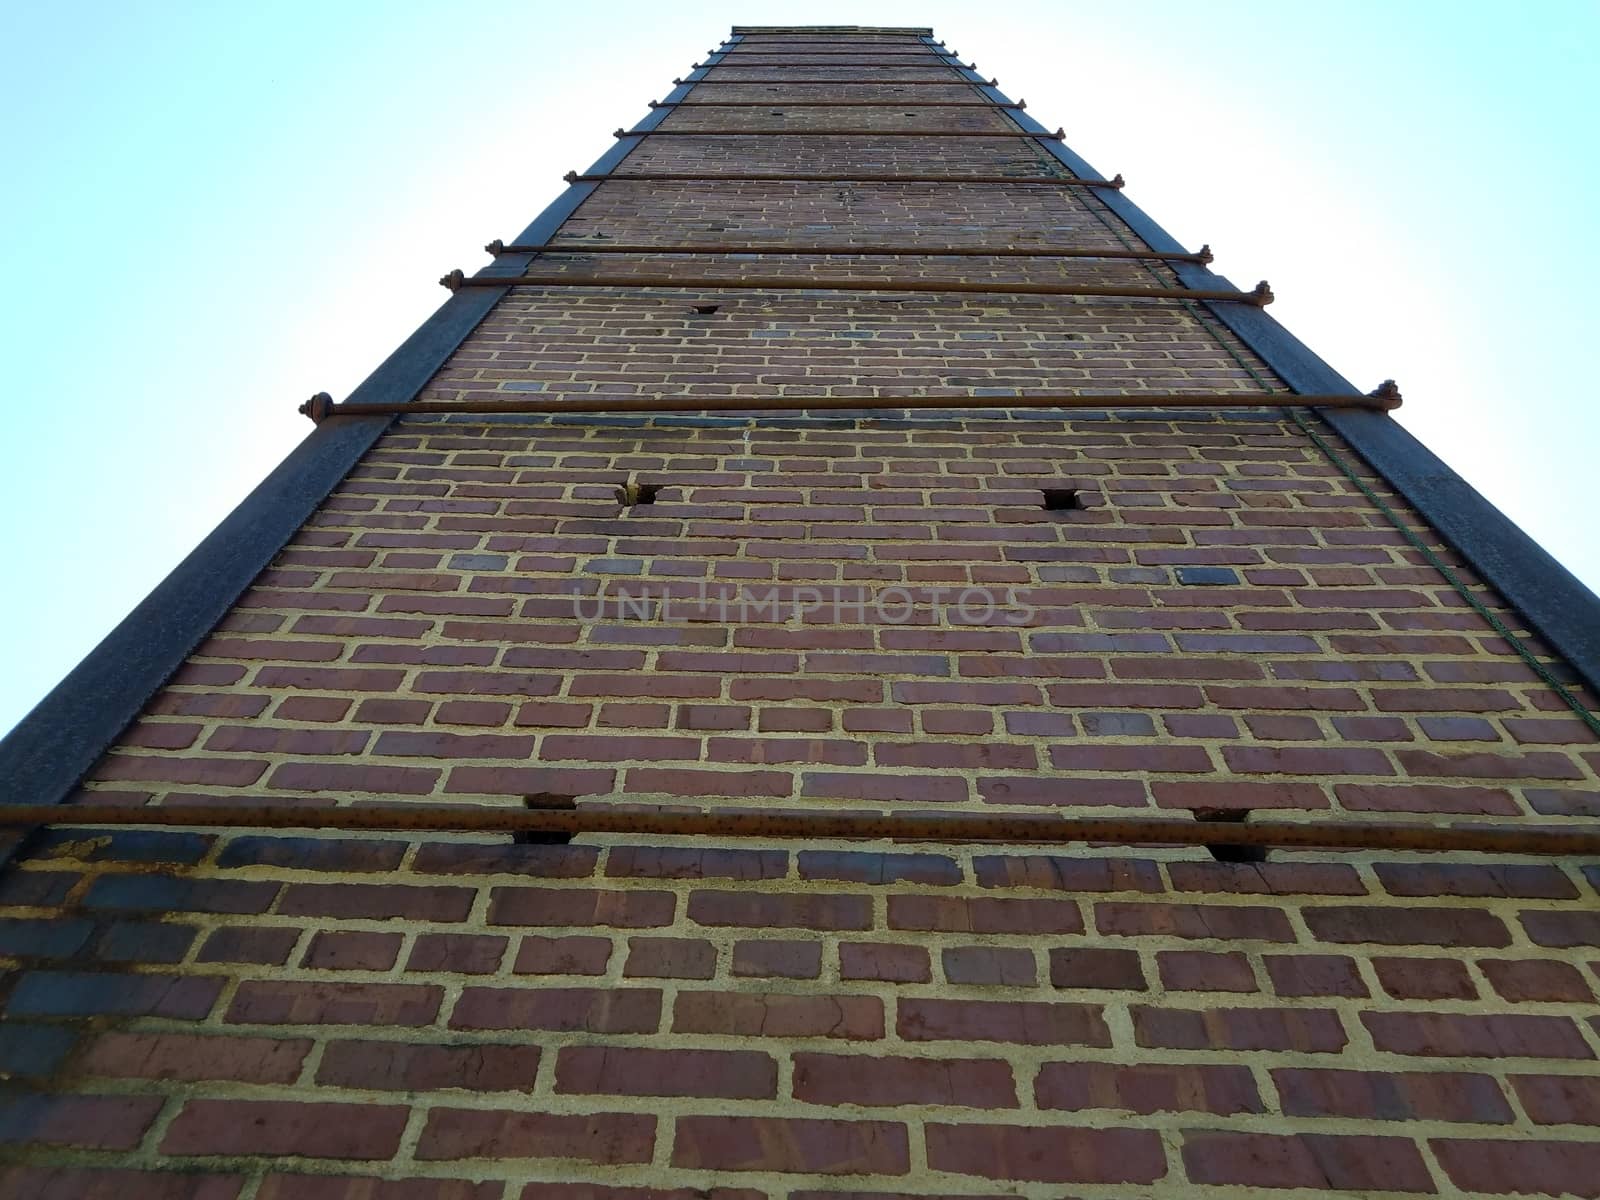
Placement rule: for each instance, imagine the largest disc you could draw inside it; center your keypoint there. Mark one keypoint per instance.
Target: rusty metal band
(1261, 295)
(1204, 254)
(321, 406)
(1057, 136)
(1021, 829)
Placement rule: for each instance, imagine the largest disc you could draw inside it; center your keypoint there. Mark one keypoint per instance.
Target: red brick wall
(268, 1016)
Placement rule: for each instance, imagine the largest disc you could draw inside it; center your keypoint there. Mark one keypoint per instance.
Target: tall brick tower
(845, 663)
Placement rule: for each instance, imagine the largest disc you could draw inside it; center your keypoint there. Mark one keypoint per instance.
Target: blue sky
(216, 210)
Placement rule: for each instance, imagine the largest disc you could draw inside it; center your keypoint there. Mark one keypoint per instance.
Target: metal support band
(1021, 829)
(1387, 396)
(932, 63)
(498, 247)
(1058, 135)
(1019, 105)
(847, 82)
(1261, 295)
(1115, 181)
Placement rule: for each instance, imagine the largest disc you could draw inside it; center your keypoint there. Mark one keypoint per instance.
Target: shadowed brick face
(831, 612)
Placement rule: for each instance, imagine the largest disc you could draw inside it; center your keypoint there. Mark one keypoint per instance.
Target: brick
(352, 950)
(580, 906)
(983, 914)
(165, 893)
(1228, 922)
(1407, 926)
(692, 862)
(989, 966)
(546, 862)
(82, 1122)
(1267, 878)
(25, 937)
(456, 953)
(634, 1071)
(670, 958)
(313, 853)
(1201, 971)
(881, 1081)
(1307, 1160)
(1561, 929)
(194, 1057)
(1314, 975)
(1085, 967)
(810, 910)
(807, 1146)
(884, 961)
(1559, 1099)
(560, 1010)
(610, 1138)
(1536, 980)
(753, 1014)
(1061, 874)
(388, 1066)
(1306, 1030)
(84, 1183)
(1147, 1087)
(856, 867)
(1391, 1096)
(1030, 1023)
(88, 994)
(267, 947)
(376, 902)
(562, 956)
(275, 1002)
(1504, 1166)
(274, 1127)
(1468, 1035)
(1054, 1155)
(778, 960)
(1535, 882)
(1424, 978)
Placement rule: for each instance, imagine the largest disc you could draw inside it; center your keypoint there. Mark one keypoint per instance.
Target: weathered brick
(634, 1071)
(281, 1127)
(1054, 1155)
(875, 1081)
(1391, 1096)
(1147, 1087)
(753, 1014)
(1031, 1023)
(1307, 1160)
(610, 1138)
(389, 1066)
(591, 1010)
(805, 1146)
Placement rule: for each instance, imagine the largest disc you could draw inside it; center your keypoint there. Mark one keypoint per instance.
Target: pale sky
(217, 210)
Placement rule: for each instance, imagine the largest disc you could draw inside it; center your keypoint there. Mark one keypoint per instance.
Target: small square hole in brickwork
(705, 310)
(1062, 499)
(543, 837)
(633, 494)
(1238, 852)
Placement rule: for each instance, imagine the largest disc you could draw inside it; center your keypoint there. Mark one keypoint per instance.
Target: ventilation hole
(705, 310)
(1062, 499)
(1232, 852)
(774, 113)
(533, 837)
(631, 494)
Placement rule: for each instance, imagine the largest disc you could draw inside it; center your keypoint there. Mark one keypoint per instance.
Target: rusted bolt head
(454, 280)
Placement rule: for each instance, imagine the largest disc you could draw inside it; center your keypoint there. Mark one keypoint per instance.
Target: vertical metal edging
(1554, 602)
(52, 748)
